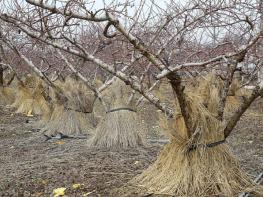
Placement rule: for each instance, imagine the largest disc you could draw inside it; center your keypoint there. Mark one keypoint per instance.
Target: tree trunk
(195, 166)
(1, 76)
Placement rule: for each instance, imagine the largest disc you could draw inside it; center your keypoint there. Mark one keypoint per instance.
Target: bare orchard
(131, 98)
(31, 166)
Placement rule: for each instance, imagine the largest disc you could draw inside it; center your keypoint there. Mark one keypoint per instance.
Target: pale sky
(135, 4)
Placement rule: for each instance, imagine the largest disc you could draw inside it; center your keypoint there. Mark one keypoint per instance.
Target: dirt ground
(29, 166)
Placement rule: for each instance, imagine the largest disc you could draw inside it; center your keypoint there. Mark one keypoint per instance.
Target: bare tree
(170, 42)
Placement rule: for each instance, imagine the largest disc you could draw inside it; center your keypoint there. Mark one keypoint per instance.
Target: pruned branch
(84, 79)
(66, 12)
(30, 64)
(238, 56)
(231, 68)
(106, 29)
(245, 105)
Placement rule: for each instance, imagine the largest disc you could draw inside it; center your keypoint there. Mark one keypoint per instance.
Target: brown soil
(29, 166)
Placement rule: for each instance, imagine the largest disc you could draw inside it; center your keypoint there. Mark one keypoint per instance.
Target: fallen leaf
(86, 194)
(59, 191)
(60, 142)
(29, 113)
(77, 185)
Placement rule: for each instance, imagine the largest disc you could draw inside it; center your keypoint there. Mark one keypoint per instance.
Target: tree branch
(84, 79)
(235, 118)
(65, 12)
(175, 81)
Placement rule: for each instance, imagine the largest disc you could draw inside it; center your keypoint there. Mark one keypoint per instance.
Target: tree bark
(235, 118)
(1, 76)
(178, 88)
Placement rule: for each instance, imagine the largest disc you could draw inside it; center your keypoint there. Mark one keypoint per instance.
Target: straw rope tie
(210, 145)
(121, 108)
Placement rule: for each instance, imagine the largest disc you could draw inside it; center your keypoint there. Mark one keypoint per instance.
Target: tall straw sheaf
(75, 115)
(120, 127)
(187, 166)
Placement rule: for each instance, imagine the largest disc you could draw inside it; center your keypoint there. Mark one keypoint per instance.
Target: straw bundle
(98, 107)
(75, 116)
(235, 96)
(46, 116)
(31, 100)
(23, 102)
(210, 86)
(41, 104)
(7, 91)
(120, 126)
(200, 165)
(31, 80)
(7, 95)
(64, 121)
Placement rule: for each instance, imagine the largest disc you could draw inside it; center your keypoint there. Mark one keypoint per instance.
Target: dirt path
(29, 166)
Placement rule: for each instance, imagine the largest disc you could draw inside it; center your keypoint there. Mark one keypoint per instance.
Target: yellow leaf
(60, 142)
(77, 185)
(86, 194)
(59, 191)
(29, 113)
(136, 162)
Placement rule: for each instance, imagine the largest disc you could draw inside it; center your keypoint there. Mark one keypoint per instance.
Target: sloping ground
(29, 166)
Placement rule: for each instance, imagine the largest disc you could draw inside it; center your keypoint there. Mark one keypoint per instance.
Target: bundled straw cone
(7, 95)
(23, 101)
(120, 127)
(235, 96)
(63, 121)
(41, 104)
(7, 92)
(208, 87)
(73, 117)
(30, 99)
(187, 166)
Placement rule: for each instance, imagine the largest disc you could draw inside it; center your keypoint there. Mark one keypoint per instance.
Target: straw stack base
(201, 172)
(67, 122)
(118, 130)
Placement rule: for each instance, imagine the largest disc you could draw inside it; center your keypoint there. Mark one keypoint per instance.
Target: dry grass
(68, 122)
(121, 128)
(202, 171)
(76, 115)
(118, 129)
(7, 95)
(41, 104)
(23, 101)
(31, 100)
(236, 94)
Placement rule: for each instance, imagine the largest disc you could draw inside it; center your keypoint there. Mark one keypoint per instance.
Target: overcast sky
(98, 4)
